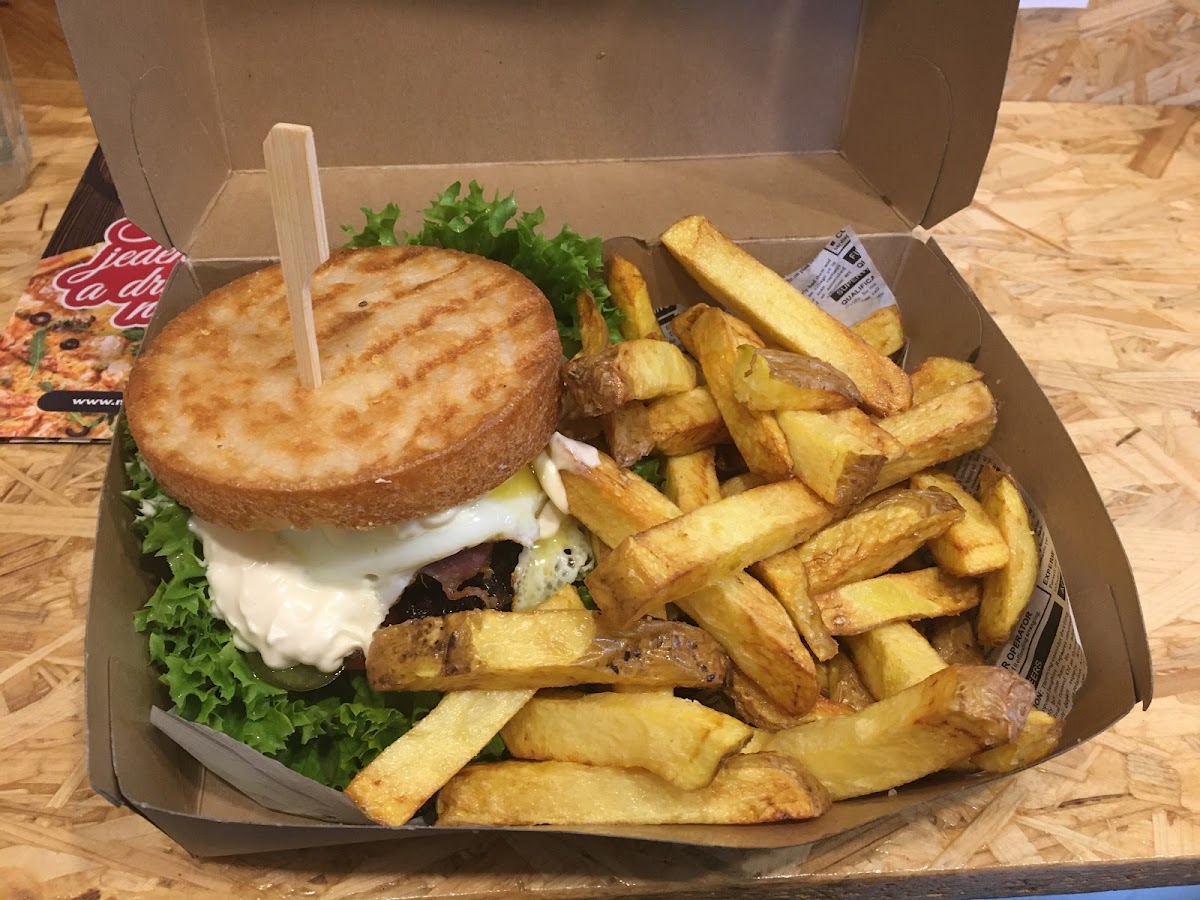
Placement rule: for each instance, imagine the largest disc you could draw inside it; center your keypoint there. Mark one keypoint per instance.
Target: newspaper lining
(843, 280)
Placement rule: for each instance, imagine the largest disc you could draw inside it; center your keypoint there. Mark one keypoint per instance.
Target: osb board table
(1084, 241)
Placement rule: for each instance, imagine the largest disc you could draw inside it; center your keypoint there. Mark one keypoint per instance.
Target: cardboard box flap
(408, 96)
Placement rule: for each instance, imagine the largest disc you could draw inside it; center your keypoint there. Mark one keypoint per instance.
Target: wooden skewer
(291, 158)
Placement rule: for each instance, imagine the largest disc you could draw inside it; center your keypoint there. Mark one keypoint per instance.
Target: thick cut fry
(834, 461)
(632, 370)
(749, 788)
(924, 594)
(843, 683)
(398, 782)
(940, 374)
(684, 423)
(560, 648)
(739, 484)
(628, 433)
(691, 480)
(893, 657)
(593, 330)
(679, 557)
(950, 716)
(566, 597)
(954, 640)
(1007, 590)
(683, 322)
(874, 538)
(632, 300)
(754, 705)
(784, 574)
(783, 315)
(883, 330)
(681, 741)
(938, 430)
(766, 380)
(859, 423)
(738, 612)
(972, 545)
(714, 340)
(1038, 739)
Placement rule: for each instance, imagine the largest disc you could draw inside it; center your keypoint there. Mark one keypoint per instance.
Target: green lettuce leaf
(327, 735)
(560, 266)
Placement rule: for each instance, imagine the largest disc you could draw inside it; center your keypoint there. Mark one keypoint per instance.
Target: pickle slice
(293, 678)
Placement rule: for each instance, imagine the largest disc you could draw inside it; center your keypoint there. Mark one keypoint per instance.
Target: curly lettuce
(560, 266)
(327, 735)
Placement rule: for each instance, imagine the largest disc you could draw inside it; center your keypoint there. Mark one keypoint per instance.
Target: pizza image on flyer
(76, 329)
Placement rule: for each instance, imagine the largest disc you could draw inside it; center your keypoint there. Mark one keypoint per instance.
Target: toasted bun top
(441, 379)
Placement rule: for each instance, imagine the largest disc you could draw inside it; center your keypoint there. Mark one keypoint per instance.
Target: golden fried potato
(843, 684)
(1007, 590)
(495, 650)
(740, 483)
(632, 299)
(783, 315)
(949, 425)
(831, 459)
(971, 546)
(684, 423)
(1038, 739)
(397, 783)
(749, 788)
(862, 425)
(883, 330)
(766, 380)
(754, 705)
(566, 597)
(613, 503)
(628, 433)
(940, 374)
(679, 557)
(691, 480)
(681, 741)
(924, 594)
(784, 574)
(713, 340)
(631, 370)
(872, 539)
(593, 330)
(891, 658)
(950, 716)
(954, 640)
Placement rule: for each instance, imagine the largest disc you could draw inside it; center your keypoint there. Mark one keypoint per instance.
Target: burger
(418, 479)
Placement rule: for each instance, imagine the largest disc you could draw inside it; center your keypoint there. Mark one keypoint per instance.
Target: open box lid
(782, 118)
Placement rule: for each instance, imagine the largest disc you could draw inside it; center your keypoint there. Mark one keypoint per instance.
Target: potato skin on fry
(632, 370)
(766, 380)
(971, 546)
(749, 788)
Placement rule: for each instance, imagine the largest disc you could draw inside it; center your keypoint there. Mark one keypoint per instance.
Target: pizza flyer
(76, 329)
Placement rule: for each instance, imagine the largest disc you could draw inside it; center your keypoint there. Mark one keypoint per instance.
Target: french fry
(1038, 739)
(631, 370)
(924, 594)
(738, 612)
(784, 574)
(940, 374)
(741, 483)
(679, 557)
(831, 459)
(686, 422)
(871, 540)
(891, 658)
(681, 741)
(593, 330)
(560, 648)
(691, 480)
(859, 423)
(954, 640)
(883, 330)
(628, 433)
(397, 783)
(632, 299)
(1007, 590)
(950, 716)
(843, 683)
(783, 315)
(566, 597)
(683, 322)
(767, 380)
(749, 788)
(713, 340)
(754, 705)
(971, 546)
(948, 425)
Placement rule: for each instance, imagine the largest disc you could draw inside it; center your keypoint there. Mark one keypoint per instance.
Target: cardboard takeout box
(781, 121)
